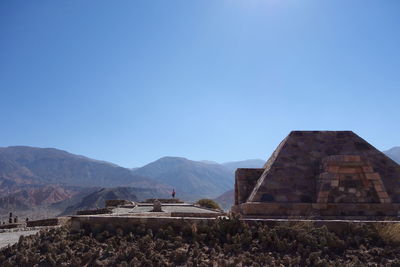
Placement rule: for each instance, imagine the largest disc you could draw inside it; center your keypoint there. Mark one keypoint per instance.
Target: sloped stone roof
(292, 171)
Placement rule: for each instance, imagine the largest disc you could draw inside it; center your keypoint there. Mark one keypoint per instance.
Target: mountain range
(190, 179)
(64, 182)
(29, 165)
(39, 177)
(60, 181)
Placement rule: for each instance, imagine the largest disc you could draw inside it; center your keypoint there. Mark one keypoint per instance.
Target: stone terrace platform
(168, 210)
(129, 216)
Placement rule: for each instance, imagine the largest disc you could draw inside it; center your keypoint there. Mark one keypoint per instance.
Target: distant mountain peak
(249, 163)
(208, 162)
(394, 153)
(193, 179)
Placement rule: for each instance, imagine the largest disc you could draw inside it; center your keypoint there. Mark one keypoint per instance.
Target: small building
(323, 174)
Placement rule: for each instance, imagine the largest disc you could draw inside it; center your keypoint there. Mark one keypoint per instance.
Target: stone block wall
(328, 210)
(292, 171)
(98, 223)
(96, 211)
(49, 222)
(245, 180)
(349, 179)
(329, 173)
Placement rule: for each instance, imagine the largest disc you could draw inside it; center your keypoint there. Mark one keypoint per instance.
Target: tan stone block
(377, 182)
(382, 195)
(335, 183)
(352, 158)
(349, 170)
(352, 190)
(367, 169)
(323, 194)
(341, 189)
(378, 188)
(356, 158)
(347, 158)
(373, 176)
(322, 200)
(333, 168)
(366, 183)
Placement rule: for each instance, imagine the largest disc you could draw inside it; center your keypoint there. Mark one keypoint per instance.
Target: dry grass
(389, 232)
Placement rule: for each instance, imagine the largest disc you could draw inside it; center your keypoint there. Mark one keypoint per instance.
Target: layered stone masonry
(328, 173)
(245, 180)
(349, 179)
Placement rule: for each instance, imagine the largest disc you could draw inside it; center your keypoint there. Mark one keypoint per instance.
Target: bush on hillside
(208, 203)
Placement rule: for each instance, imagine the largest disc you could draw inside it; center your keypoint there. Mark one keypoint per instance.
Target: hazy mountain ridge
(30, 165)
(97, 198)
(250, 163)
(199, 179)
(226, 200)
(192, 178)
(394, 153)
(43, 176)
(39, 178)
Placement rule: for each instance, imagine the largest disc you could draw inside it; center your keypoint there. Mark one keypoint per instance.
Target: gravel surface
(10, 238)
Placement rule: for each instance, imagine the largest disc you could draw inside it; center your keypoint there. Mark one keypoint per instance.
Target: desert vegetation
(208, 203)
(224, 242)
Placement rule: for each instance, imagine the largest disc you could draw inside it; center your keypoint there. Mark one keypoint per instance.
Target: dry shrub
(208, 203)
(223, 242)
(389, 232)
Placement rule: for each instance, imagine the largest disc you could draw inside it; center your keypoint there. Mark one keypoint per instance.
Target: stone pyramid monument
(327, 174)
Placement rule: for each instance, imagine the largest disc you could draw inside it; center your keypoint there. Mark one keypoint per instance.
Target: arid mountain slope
(48, 179)
(193, 179)
(97, 198)
(21, 165)
(250, 163)
(226, 200)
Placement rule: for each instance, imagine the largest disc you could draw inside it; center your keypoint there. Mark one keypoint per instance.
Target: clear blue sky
(131, 81)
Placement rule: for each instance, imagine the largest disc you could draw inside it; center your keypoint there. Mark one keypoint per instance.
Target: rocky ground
(10, 237)
(228, 242)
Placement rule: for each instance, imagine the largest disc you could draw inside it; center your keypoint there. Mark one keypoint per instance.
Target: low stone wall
(117, 202)
(10, 225)
(97, 223)
(164, 200)
(96, 211)
(368, 210)
(245, 180)
(48, 222)
(197, 214)
(337, 225)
